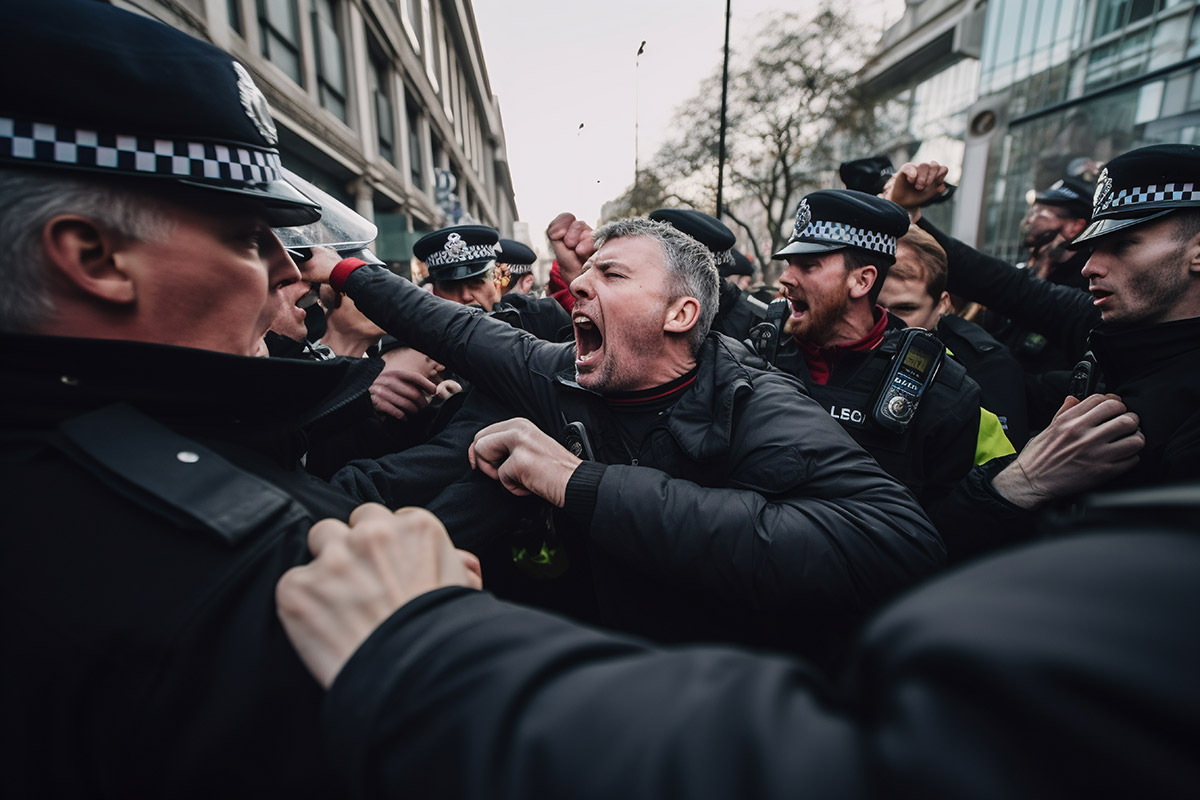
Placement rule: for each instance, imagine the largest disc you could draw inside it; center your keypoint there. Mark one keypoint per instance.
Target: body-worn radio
(766, 335)
(1084, 378)
(912, 371)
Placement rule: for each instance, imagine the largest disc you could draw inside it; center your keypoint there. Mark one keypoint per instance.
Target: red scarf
(821, 360)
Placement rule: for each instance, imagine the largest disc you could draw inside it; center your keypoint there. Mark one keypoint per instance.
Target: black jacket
(1047, 323)
(1067, 669)
(937, 449)
(750, 515)
(152, 499)
(990, 364)
(737, 313)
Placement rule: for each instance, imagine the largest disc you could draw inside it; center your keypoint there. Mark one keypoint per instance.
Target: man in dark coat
(149, 468)
(1066, 669)
(704, 497)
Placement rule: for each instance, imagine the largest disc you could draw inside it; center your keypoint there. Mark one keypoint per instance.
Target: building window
(381, 92)
(416, 23)
(331, 62)
(278, 25)
(416, 155)
(233, 9)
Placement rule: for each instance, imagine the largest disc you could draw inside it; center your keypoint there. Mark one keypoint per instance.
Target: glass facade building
(1082, 82)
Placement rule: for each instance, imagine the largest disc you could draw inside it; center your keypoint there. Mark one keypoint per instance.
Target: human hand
(524, 460)
(915, 184)
(362, 573)
(571, 240)
(1088, 443)
(401, 392)
(319, 265)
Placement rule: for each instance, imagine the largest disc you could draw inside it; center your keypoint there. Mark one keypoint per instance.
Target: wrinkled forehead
(641, 253)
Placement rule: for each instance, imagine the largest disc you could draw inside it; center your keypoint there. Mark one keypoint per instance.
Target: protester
(736, 313)
(716, 501)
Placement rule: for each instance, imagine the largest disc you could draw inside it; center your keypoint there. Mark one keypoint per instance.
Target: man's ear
(682, 315)
(85, 256)
(861, 280)
(1072, 228)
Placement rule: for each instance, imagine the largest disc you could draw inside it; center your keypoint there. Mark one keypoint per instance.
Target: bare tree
(792, 106)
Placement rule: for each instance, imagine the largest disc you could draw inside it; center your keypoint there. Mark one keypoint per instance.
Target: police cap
(454, 254)
(1071, 193)
(740, 266)
(708, 231)
(520, 258)
(1142, 185)
(114, 93)
(834, 219)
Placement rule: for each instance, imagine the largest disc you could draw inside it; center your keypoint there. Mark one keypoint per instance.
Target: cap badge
(1103, 197)
(454, 244)
(255, 105)
(803, 218)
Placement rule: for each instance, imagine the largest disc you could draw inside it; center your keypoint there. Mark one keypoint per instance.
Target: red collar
(821, 360)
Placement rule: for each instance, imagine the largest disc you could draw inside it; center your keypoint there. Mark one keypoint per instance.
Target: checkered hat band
(723, 257)
(837, 233)
(45, 143)
(520, 269)
(473, 252)
(1166, 193)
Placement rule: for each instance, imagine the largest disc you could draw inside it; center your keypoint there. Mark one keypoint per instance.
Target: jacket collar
(48, 379)
(1128, 353)
(701, 422)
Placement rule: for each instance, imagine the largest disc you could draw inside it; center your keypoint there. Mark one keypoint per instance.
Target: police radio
(1084, 378)
(765, 336)
(912, 372)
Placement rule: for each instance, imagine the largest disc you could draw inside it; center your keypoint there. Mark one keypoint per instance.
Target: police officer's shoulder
(174, 476)
(959, 333)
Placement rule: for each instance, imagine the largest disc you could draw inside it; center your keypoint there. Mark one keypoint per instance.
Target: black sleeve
(437, 475)
(1063, 670)
(1060, 313)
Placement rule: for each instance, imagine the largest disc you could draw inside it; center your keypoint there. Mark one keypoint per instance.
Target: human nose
(581, 286)
(280, 266)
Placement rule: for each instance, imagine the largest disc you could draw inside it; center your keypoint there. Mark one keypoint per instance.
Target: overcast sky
(557, 64)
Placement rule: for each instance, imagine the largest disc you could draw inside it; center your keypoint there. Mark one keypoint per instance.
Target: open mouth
(799, 309)
(589, 341)
(1099, 296)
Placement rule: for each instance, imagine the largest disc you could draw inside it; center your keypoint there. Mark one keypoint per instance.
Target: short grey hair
(31, 198)
(689, 263)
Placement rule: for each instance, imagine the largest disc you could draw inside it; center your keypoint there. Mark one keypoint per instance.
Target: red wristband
(337, 278)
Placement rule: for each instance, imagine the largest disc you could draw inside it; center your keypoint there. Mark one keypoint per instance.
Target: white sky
(554, 64)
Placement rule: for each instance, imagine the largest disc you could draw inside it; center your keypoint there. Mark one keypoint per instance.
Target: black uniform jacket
(749, 515)
(152, 498)
(1065, 669)
(992, 366)
(1047, 324)
(737, 313)
(936, 450)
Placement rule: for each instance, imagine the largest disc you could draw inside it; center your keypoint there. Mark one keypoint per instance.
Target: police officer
(517, 260)
(149, 470)
(462, 266)
(915, 291)
(737, 313)
(846, 349)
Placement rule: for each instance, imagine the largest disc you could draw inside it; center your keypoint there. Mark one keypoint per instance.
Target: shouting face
(623, 301)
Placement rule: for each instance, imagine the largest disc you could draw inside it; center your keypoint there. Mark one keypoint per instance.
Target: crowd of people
(283, 522)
